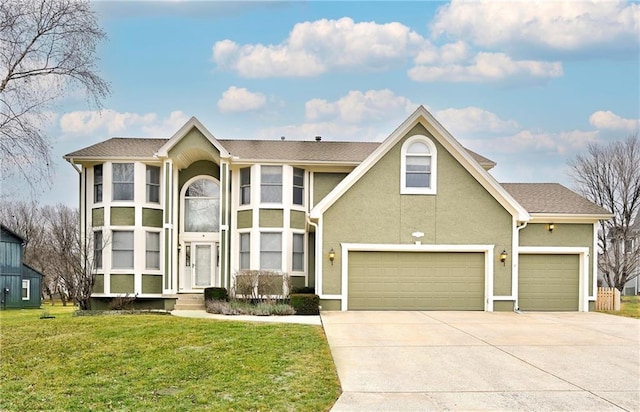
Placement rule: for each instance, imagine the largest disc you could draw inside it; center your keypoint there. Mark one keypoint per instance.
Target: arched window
(202, 206)
(418, 166)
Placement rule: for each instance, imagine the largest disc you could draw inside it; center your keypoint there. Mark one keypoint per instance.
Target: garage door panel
(416, 281)
(549, 282)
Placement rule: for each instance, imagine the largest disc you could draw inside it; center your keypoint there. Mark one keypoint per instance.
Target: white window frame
(124, 182)
(281, 184)
(98, 255)
(294, 186)
(240, 251)
(26, 285)
(293, 252)
(132, 250)
(242, 187)
(97, 184)
(149, 184)
(432, 189)
(147, 250)
(271, 232)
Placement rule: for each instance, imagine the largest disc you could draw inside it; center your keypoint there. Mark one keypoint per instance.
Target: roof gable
(184, 131)
(8, 235)
(462, 155)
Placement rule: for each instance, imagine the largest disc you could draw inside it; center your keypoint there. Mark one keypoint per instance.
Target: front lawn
(155, 362)
(629, 307)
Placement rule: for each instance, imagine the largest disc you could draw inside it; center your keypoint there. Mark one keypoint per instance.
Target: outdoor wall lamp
(332, 256)
(551, 227)
(503, 257)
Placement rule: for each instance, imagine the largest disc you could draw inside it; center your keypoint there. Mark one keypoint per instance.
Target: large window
(418, 172)
(123, 181)
(97, 249)
(298, 186)
(245, 250)
(245, 186)
(26, 285)
(271, 251)
(271, 184)
(298, 252)
(202, 206)
(152, 259)
(122, 250)
(153, 184)
(97, 183)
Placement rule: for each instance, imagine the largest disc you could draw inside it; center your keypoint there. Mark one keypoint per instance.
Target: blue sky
(526, 84)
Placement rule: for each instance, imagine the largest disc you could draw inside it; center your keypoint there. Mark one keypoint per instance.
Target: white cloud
(486, 67)
(554, 25)
(236, 99)
(113, 122)
(357, 106)
(529, 141)
(315, 47)
(611, 121)
(471, 120)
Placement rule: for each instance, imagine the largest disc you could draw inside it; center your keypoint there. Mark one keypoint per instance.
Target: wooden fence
(608, 299)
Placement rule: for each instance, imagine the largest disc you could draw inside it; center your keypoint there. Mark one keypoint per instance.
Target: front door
(202, 265)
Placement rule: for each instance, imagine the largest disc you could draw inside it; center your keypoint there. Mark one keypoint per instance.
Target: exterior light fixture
(417, 236)
(551, 227)
(503, 257)
(332, 256)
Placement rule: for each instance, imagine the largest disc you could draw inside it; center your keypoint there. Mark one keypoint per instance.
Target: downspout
(516, 307)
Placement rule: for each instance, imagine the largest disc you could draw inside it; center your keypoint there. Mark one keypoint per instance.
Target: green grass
(629, 307)
(161, 363)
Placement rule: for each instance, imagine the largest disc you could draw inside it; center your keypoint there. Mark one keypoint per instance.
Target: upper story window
(418, 166)
(298, 186)
(153, 184)
(122, 181)
(271, 184)
(201, 206)
(97, 183)
(245, 186)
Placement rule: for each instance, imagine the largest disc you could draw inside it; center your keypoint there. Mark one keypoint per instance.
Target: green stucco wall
(297, 281)
(564, 234)
(373, 211)
(194, 142)
(122, 284)
(323, 183)
(298, 219)
(151, 284)
(98, 285)
(97, 216)
(199, 168)
(245, 219)
(311, 260)
(271, 217)
(123, 216)
(151, 217)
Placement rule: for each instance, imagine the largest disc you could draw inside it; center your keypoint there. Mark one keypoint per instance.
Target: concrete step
(190, 301)
(189, 306)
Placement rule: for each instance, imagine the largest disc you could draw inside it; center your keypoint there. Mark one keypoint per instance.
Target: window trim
(147, 250)
(294, 186)
(240, 251)
(293, 252)
(98, 256)
(149, 184)
(132, 250)
(271, 232)
(241, 200)
(281, 184)
(26, 282)
(432, 189)
(114, 182)
(97, 184)
(183, 203)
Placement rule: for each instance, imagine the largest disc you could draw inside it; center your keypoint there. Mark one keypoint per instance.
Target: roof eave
(569, 217)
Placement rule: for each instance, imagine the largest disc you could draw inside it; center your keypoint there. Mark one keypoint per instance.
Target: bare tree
(610, 177)
(47, 51)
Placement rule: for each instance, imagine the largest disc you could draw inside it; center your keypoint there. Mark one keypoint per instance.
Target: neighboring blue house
(21, 285)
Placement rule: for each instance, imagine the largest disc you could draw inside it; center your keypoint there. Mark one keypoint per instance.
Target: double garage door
(416, 281)
(455, 281)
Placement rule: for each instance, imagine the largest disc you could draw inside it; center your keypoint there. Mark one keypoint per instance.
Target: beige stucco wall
(373, 211)
(323, 183)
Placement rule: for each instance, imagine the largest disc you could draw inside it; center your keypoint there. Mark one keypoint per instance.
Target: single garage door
(416, 281)
(549, 282)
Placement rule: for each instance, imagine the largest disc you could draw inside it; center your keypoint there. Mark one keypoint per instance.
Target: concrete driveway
(418, 361)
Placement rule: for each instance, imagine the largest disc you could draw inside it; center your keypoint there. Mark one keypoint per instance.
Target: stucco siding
(151, 217)
(97, 217)
(271, 217)
(373, 211)
(323, 183)
(123, 216)
(245, 219)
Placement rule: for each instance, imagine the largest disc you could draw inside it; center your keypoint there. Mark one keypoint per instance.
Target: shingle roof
(121, 147)
(551, 198)
(288, 150)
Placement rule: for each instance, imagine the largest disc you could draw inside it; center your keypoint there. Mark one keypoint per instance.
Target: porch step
(189, 301)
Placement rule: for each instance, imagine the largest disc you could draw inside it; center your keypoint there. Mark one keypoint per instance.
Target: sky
(527, 84)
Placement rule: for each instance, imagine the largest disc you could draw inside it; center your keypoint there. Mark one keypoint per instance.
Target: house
(415, 222)
(21, 285)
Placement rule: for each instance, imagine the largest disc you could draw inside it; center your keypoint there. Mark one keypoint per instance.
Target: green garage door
(549, 282)
(416, 281)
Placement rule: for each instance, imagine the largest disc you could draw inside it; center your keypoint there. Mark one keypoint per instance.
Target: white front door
(202, 265)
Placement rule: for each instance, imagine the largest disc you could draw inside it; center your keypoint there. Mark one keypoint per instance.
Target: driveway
(417, 361)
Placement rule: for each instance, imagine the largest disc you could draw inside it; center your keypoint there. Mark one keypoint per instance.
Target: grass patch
(629, 307)
(150, 362)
